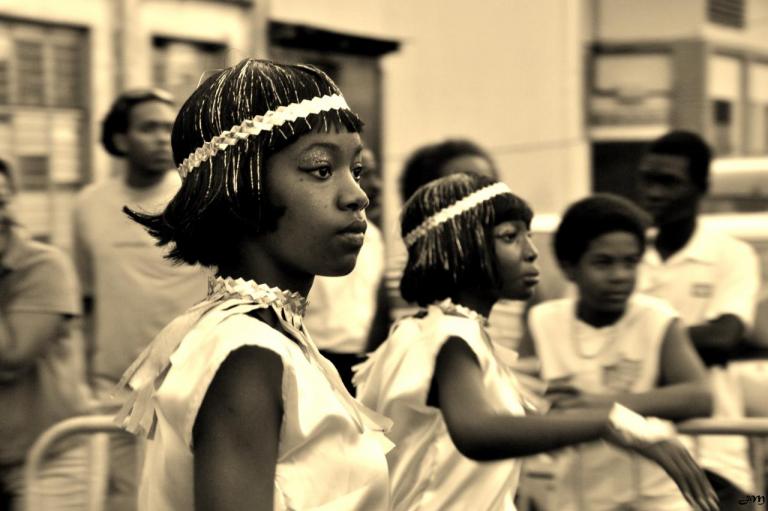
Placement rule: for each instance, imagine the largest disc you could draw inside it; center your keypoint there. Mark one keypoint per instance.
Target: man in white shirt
(129, 288)
(712, 280)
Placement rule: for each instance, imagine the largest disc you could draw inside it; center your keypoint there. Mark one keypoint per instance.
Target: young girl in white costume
(610, 344)
(241, 410)
(458, 413)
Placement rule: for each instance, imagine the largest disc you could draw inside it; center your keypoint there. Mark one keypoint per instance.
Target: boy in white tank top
(608, 344)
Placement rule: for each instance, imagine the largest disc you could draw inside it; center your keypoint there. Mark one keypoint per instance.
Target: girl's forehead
(331, 139)
(516, 224)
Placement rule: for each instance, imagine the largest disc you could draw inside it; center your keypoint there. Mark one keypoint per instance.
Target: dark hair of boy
(119, 114)
(693, 148)
(590, 218)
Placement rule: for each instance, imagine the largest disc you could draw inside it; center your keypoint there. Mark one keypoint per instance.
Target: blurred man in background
(711, 279)
(128, 287)
(42, 374)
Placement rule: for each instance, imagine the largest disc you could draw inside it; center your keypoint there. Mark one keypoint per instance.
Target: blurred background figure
(42, 374)
(129, 290)
(712, 279)
(423, 166)
(370, 182)
(348, 316)
(442, 159)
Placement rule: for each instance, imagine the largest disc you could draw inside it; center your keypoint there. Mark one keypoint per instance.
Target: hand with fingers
(656, 440)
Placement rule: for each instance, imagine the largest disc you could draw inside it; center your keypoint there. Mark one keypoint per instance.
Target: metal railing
(98, 427)
(540, 481)
(750, 427)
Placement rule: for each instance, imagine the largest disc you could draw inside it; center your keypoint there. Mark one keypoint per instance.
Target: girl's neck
(264, 269)
(475, 301)
(595, 317)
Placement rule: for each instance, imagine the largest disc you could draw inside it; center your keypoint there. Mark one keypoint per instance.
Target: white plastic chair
(98, 428)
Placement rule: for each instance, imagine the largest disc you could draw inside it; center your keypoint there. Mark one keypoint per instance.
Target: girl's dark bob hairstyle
(458, 254)
(225, 199)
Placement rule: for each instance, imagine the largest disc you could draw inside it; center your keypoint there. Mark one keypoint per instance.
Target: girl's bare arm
(236, 433)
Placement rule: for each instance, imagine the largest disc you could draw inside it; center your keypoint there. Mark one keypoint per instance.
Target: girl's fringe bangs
(456, 244)
(337, 121)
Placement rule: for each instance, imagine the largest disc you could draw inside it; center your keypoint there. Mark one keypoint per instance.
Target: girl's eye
(508, 237)
(357, 172)
(321, 172)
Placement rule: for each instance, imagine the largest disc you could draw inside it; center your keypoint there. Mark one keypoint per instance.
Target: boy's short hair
(426, 163)
(590, 218)
(690, 146)
(459, 252)
(118, 117)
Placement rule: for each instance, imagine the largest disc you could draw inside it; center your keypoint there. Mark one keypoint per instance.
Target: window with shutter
(67, 75)
(178, 65)
(30, 79)
(33, 173)
(726, 12)
(43, 119)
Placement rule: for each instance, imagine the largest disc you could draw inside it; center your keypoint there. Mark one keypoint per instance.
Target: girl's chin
(342, 266)
(519, 294)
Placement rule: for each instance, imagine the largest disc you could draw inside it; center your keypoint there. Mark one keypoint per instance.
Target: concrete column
(691, 109)
(259, 23)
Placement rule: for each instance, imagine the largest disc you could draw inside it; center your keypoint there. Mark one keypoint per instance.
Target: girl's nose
(531, 253)
(351, 196)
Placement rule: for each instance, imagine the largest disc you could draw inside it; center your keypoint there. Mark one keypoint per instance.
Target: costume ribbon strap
(470, 201)
(226, 297)
(260, 123)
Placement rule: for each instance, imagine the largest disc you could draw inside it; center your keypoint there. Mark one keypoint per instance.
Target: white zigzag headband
(259, 124)
(470, 201)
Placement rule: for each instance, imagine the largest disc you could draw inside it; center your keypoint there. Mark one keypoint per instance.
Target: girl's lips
(352, 239)
(531, 280)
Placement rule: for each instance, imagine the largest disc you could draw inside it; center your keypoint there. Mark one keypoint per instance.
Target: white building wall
(647, 20)
(204, 22)
(634, 21)
(506, 74)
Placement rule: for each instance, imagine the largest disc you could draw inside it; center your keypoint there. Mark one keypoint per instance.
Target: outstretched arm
(481, 433)
(236, 433)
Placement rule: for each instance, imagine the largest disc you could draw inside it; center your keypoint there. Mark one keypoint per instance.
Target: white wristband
(631, 428)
